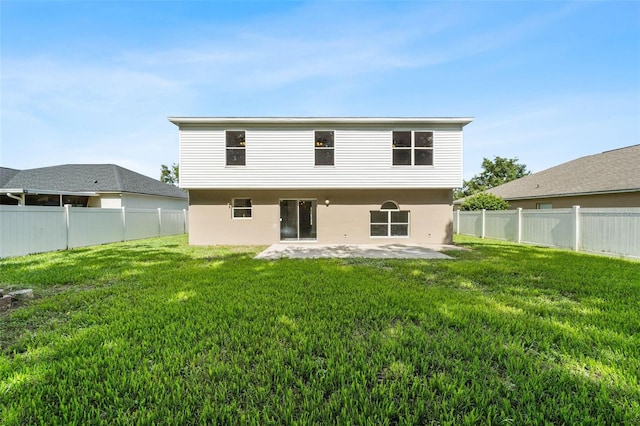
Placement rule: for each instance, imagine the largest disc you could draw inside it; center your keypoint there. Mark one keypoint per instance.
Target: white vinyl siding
(285, 158)
(202, 155)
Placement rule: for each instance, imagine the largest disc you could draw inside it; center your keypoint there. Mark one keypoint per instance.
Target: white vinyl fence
(36, 229)
(614, 231)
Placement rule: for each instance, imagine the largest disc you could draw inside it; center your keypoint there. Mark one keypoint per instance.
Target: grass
(155, 331)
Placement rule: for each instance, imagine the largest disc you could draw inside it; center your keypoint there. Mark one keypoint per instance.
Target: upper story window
(324, 148)
(241, 208)
(412, 148)
(236, 150)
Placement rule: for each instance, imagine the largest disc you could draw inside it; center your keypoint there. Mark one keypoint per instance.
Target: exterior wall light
(326, 202)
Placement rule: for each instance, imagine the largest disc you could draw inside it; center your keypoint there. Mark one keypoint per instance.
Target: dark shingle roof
(611, 171)
(88, 178)
(6, 174)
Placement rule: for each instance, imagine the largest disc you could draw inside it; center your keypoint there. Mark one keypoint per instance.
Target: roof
(608, 172)
(321, 120)
(6, 174)
(95, 178)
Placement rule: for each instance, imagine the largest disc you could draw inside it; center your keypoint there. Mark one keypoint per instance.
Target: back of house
(327, 180)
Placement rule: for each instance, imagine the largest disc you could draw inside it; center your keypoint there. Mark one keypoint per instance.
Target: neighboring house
(329, 180)
(87, 185)
(608, 179)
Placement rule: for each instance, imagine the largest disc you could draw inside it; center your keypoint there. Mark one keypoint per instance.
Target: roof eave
(47, 192)
(571, 194)
(177, 197)
(463, 121)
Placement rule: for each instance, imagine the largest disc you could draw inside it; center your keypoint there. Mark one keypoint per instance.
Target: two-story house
(358, 180)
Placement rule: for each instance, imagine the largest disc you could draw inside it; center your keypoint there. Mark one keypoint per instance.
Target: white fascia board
(567, 194)
(142, 194)
(308, 188)
(572, 194)
(49, 192)
(320, 120)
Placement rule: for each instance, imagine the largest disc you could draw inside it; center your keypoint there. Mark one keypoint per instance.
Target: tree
(484, 200)
(170, 174)
(494, 173)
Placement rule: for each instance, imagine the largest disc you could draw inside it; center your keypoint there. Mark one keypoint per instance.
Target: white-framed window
(236, 147)
(324, 149)
(412, 148)
(241, 208)
(389, 221)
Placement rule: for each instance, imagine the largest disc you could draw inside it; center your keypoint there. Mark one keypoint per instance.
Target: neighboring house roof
(612, 171)
(6, 174)
(94, 178)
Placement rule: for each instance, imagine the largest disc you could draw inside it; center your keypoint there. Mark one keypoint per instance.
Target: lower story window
(241, 208)
(389, 221)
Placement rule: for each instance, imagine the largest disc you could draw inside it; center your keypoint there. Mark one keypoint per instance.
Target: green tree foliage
(484, 200)
(170, 174)
(494, 173)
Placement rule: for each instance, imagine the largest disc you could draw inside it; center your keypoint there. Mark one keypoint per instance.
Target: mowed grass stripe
(156, 331)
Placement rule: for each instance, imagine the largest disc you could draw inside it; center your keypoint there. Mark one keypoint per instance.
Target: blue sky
(94, 81)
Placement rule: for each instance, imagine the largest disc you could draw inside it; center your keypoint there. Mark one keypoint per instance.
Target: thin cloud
(305, 59)
(560, 128)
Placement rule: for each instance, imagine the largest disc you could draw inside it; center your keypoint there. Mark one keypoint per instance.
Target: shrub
(484, 200)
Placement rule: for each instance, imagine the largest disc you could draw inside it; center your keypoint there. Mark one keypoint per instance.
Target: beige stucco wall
(623, 199)
(345, 220)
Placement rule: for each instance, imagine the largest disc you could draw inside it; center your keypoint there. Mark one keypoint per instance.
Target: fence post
(457, 212)
(484, 217)
(66, 220)
(184, 221)
(576, 228)
(519, 234)
(124, 224)
(159, 221)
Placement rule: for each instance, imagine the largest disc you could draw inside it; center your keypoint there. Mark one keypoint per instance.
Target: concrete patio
(371, 251)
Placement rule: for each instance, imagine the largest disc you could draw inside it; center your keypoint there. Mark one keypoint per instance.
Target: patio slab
(371, 251)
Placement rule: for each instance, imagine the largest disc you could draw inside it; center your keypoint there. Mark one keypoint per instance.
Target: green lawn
(155, 331)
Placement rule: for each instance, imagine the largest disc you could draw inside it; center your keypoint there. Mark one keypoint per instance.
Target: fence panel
(88, 227)
(614, 231)
(172, 222)
(141, 223)
(554, 228)
(36, 229)
(502, 225)
(31, 229)
(471, 223)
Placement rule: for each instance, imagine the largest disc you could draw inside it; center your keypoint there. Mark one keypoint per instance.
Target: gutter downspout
(20, 198)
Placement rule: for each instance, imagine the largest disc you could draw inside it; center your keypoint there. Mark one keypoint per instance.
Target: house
(87, 185)
(608, 179)
(327, 180)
